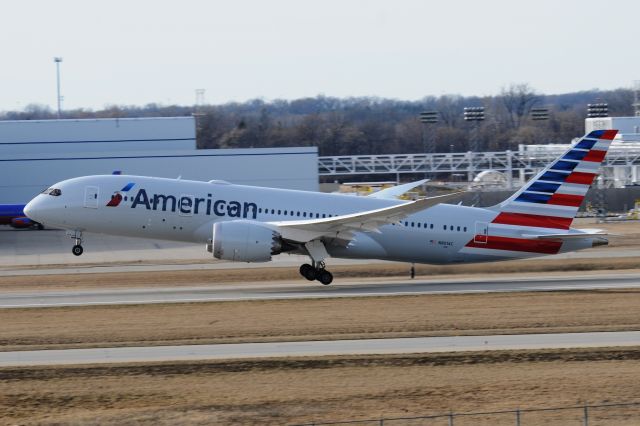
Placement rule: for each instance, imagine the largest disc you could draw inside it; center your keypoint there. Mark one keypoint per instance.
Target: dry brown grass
(330, 388)
(303, 390)
(320, 319)
(259, 275)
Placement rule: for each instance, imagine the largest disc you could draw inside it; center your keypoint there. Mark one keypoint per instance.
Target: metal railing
(524, 163)
(581, 415)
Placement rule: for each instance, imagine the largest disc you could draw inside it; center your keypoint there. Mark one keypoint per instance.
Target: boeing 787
(252, 224)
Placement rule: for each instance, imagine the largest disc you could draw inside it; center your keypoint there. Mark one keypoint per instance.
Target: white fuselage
(182, 210)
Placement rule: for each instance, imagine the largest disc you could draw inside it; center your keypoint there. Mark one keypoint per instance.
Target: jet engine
(244, 241)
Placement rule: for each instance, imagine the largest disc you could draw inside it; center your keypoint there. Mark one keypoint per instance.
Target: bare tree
(518, 100)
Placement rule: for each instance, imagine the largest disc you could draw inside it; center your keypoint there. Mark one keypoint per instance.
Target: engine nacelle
(244, 241)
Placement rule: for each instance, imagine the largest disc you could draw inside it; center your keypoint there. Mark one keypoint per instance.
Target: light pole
(57, 60)
(474, 115)
(426, 118)
(539, 114)
(599, 110)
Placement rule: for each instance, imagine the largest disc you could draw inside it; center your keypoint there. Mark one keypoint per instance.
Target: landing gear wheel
(308, 272)
(325, 277)
(77, 250)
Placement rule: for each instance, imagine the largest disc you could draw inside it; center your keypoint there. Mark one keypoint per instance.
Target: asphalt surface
(319, 348)
(311, 290)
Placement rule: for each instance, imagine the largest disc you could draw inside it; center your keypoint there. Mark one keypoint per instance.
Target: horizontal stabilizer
(593, 233)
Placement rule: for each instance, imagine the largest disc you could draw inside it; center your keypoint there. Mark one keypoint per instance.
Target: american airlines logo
(189, 205)
(116, 198)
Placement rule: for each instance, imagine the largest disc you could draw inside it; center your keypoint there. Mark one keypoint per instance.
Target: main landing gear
(316, 273)
(77, 238)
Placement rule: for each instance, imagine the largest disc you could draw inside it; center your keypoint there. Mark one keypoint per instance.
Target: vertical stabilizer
(552, 198)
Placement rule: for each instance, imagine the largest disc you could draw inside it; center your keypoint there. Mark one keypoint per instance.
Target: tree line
(371, 125)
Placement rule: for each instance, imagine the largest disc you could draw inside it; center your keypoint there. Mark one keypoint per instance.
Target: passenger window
(444, 227)
(279, 211)
(431, 226)
(419, 224)
(458, 229)
(465, 229)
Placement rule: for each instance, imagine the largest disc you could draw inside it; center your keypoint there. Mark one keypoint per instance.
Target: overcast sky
(135, 52)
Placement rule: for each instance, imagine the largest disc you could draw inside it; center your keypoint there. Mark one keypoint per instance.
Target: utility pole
(57, 60)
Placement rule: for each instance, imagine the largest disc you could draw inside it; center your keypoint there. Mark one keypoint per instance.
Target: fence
(584, 415)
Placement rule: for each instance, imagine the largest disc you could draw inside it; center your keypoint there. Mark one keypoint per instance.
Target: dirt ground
(291, 391)
(319, 319)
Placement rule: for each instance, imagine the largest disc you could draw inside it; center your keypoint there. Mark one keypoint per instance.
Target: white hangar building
(34, 154)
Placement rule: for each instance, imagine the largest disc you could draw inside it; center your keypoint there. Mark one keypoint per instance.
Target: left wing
(368, 221)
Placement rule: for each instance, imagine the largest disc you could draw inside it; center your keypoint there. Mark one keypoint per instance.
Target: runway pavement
(307, 290)
(319, 348)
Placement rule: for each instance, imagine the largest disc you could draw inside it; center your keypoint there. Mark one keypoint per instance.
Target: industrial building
(37, 153)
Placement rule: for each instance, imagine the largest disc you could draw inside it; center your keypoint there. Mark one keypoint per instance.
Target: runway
(312, 290)
(319, 348)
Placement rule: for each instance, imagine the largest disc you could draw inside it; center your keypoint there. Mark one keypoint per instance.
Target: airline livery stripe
(531, 197)
(541, 209)
(602, 145)
(581, 177)
(554, 176)
(588, 167)
(564, 165)
(595, 155)
(573, 188)
(603, 134)
(575, 155)
(518, 244)
(533, 220)
(566, 200)
(543, 187)
(586, 143)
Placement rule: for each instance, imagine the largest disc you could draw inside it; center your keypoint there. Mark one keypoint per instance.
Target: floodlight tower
(57, 60)
(427, 118)
(474, 115)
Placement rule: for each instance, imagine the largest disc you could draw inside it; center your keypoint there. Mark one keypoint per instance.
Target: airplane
(13, 215)
(252, 224)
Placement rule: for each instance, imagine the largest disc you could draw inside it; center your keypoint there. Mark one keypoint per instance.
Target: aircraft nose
(31, 210)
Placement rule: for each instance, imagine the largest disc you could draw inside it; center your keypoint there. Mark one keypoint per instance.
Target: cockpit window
(52, 191)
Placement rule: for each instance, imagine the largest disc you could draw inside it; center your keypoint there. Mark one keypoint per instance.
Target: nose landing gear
(77, 237)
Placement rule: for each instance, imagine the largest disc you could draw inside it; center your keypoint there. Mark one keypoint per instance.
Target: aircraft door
(91, 197)
(482, 233)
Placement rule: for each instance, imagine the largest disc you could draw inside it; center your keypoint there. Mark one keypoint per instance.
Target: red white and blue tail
(552, 198)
